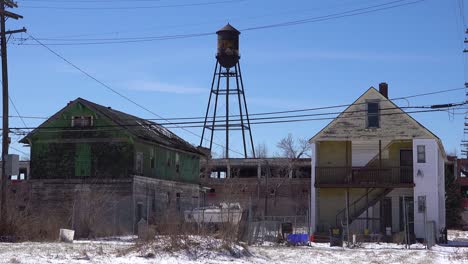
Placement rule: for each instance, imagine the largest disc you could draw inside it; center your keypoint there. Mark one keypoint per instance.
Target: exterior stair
(360, 205)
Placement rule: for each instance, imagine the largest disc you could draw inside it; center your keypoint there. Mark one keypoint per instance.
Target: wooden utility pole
(4, 14)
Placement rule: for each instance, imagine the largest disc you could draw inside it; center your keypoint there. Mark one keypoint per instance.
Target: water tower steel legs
(215, 108)
(209, 102)
(246, 111)
(222, 72)
(227, 114)
(240, 110)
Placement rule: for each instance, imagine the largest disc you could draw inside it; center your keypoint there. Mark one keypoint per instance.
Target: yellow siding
(334, 153)
(332, 201)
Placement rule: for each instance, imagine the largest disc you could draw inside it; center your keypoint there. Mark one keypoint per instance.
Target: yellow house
(377, 170)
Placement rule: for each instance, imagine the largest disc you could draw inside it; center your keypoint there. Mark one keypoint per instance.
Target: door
(406, 166)
(386, 213)
(83, 160)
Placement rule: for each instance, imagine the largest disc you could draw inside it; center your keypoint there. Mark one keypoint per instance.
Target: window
(421, 154)
(82, 121)
(152, 160)
(177, 164)
(373, 115)
(178, 202)
(139, 212)
(139, 163)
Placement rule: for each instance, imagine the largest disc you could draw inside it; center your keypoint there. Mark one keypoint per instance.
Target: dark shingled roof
(139, 127)
(228, 27)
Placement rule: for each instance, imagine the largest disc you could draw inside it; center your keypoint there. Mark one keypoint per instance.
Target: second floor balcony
(364, 177)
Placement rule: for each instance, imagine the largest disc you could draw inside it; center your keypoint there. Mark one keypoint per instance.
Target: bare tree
(261, 150)
(293, 149)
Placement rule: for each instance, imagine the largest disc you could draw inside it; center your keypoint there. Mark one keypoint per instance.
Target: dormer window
(82, 121)
(373, 115)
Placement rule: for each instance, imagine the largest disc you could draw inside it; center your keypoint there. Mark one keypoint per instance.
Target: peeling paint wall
(103, 150)
(351, 124)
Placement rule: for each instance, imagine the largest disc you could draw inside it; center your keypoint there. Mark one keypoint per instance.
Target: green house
(87, 140)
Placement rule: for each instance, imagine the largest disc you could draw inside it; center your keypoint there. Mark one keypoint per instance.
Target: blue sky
(415, 49)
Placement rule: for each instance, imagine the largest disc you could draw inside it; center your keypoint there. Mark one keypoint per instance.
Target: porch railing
(365, 176)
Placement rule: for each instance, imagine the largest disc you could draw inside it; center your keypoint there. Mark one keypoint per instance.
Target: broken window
(139, 163)
(82, 121)
(373, 115)
(177, 165)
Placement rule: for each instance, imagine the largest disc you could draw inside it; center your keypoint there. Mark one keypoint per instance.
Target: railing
(363, 176)
(359, 206)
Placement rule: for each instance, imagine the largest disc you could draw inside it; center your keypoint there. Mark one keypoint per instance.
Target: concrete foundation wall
(101, 207)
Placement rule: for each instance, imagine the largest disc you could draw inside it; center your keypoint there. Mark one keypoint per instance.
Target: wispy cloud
(161, 87)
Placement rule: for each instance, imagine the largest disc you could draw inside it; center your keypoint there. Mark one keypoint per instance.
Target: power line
(185, 25)
(87, 1)
(100, 8)
(289, 120)
(294, 110)
(349, 13)
(20, 151)
(17, 112)
(115, 91)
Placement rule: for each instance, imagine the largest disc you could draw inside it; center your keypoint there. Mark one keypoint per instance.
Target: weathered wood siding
(351, 124)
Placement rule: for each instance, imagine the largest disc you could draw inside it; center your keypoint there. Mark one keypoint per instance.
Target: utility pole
(4, 14)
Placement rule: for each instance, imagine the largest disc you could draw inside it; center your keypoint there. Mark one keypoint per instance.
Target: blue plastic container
(298, 239)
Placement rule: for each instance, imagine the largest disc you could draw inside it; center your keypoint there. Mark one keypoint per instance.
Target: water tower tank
(228, 46)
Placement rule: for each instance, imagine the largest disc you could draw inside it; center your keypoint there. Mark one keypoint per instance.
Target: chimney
(383, 89)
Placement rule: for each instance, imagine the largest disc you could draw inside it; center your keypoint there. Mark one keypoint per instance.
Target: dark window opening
(373, 115)
(82, 121)
(139, 212)
(248, 172)
(178, 201)
(302, 172)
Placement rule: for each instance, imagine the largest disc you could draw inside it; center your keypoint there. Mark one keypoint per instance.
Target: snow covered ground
(125, 250)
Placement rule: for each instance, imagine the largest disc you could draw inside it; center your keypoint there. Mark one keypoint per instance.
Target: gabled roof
(138, 127)
(228, 27)
(342, 120)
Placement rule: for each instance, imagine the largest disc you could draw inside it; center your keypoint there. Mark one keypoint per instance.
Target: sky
(415, 48)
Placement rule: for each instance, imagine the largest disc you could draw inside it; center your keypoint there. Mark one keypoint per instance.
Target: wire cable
(353, 12)
(98, 8)
(118, 93)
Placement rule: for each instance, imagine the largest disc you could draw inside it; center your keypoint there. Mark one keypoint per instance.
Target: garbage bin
(336, 237)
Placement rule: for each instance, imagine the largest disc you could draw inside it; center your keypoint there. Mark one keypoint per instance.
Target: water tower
(227, 86)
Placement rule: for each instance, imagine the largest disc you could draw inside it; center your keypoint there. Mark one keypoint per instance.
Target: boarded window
(139, 163)
(373, 115)
(82, 121)
(177, 162)
(82, 160)
(421, 154)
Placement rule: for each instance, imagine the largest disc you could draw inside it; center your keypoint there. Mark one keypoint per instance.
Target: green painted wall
(167, 164)
(60, 151)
